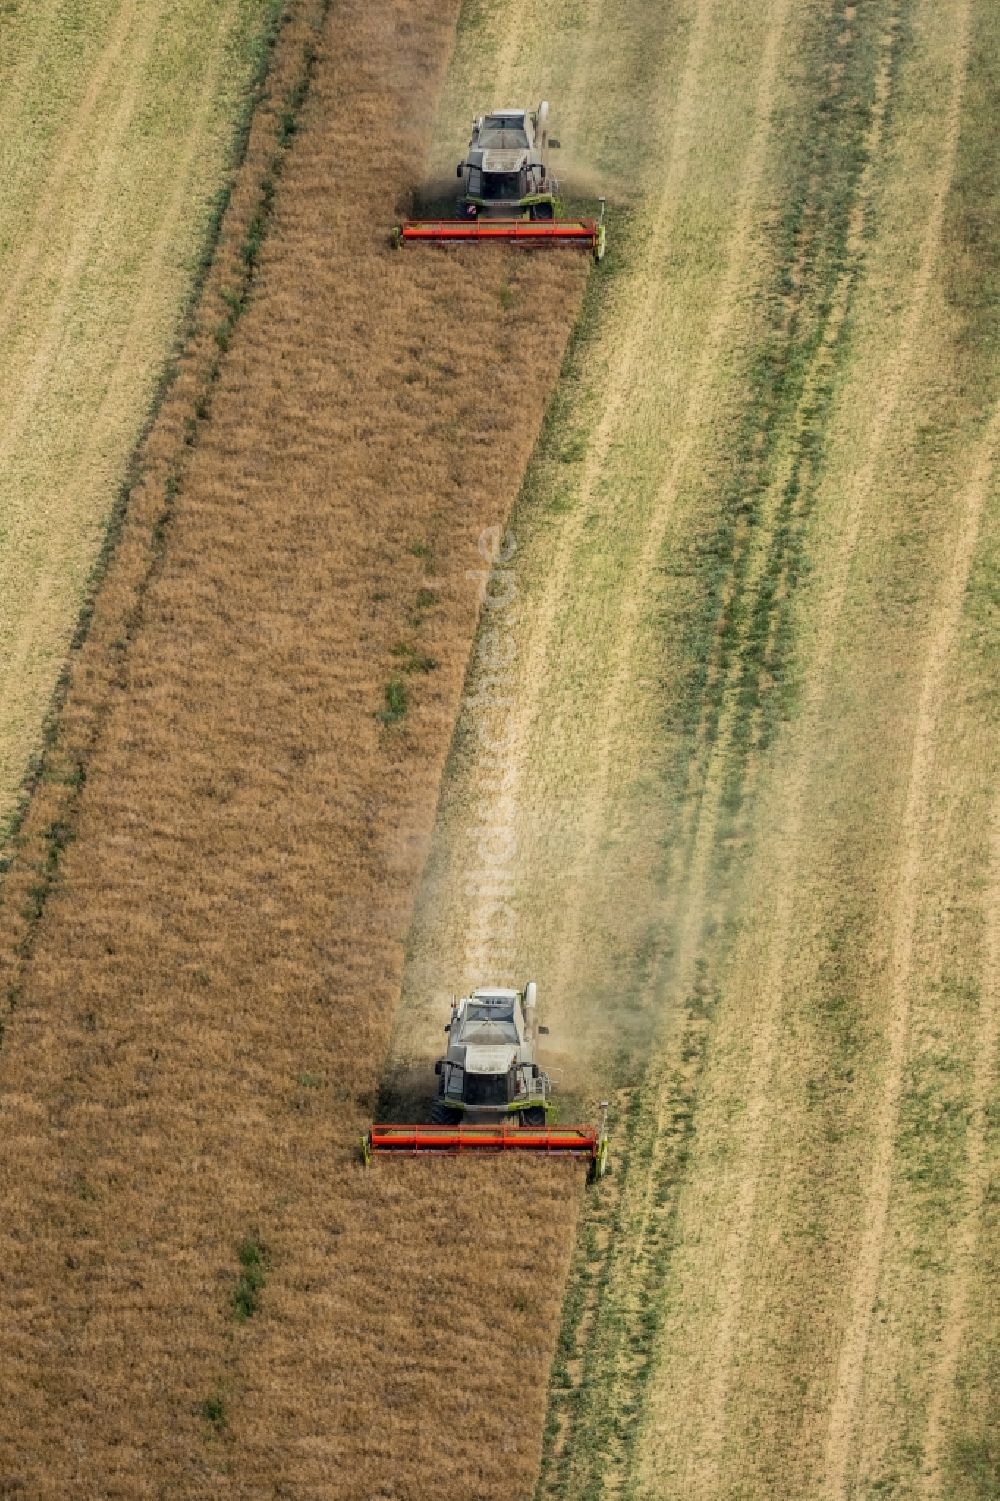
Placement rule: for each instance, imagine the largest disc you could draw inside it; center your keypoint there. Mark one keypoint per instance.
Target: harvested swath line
(229, 917)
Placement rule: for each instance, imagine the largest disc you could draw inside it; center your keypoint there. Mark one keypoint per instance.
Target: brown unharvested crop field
(199, 1014)
(723, 780)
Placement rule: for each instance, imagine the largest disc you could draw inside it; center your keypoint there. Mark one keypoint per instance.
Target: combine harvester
(492, 1096)
(508, 192)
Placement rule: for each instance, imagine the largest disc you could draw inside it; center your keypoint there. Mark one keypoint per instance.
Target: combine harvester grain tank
(508, 191)
(492, 1095)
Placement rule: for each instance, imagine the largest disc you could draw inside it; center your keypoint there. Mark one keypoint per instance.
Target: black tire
(444, 1115)
(533, 1116)
(542, 211)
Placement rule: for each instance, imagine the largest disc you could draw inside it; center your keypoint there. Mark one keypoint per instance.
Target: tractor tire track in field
(850, 1369)
(976, 1186)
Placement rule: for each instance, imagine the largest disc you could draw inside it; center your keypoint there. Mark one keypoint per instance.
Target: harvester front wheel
(533, 1116)
(444, 1115)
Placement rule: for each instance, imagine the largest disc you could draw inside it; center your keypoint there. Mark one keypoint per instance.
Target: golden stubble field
(230, 821)
(118, 126)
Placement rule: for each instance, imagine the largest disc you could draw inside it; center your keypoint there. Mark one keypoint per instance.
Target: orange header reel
(589, 1143)
(589, 233)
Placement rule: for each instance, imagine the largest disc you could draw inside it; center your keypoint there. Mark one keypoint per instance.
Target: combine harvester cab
(489, 1073)
(492, 1096)
(508, 192)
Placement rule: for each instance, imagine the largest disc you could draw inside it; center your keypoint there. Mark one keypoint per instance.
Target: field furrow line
(978, 1171)
(26, 259)
(850, 1365)
(49, 580)
(496, 868)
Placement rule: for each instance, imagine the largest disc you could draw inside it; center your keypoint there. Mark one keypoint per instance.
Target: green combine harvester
(508, 190)
(492, 1095)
